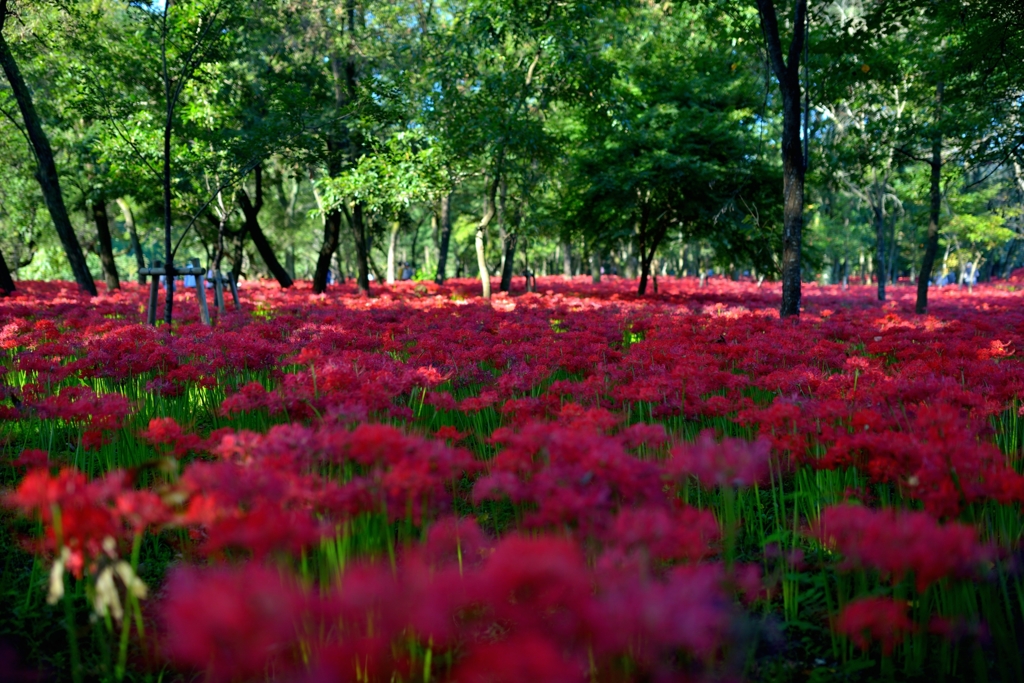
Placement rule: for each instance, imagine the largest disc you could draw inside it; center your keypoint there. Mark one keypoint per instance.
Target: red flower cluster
(523, 607)
(881, 620)
(555, 419)
(899, 544)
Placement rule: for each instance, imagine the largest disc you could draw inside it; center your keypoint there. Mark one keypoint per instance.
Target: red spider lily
(77, 513)
(82, 405)
(233, 624)
(519, 659)
(32, 458)
(881, 620)
(898, 544)
(450, 433)
(165, 431)
(731, 462)
(537, 594)
(682, 534)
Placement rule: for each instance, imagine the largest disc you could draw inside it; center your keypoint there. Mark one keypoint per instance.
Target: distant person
(407, 271)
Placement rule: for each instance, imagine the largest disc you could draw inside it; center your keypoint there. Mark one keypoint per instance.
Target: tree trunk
(358, 225)
(251, 211)
(392, 243)
(890, 269)
(133, 235)
(648, 244)
(481, 233)
(46, 169)
(509, 245)
(931, 246)
(787, 72)
(6, 281)
(595, 266)
(879, 213)
(481, 260)
(332, 233)
(511, 237)
(238, 257)
(445, 237)
(106, 244)
(566, 259)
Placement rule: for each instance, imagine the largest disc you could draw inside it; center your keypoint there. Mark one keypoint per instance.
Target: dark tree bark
(343, 144)
(794, 167)
(251, 211)
(6, 281)
(106, 244)
(878, 208)
(168, 216)
(358, 224)
(595, 266)
(332, 233)
(511, 238)
(46, 169)
(445, 238)
(648, 240)
(133, 235)
(238, 256)
(931, 245)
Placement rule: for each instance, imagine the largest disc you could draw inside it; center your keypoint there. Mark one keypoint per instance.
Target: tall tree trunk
(511, 237)
(133, 235)
(481, 260)
(396, 225)
(566, 259)
(46, 169)
(481, 233)
(251, 211)
(6, 281)
(931, 246)
(595, 265)
(890, 269)
(787, 72)
(878, 210)
(238, 256)
(648, 242)
(412, 248)
(358, 223)
(168, 216)
(106, 244)
(445, 237)
(332, 233)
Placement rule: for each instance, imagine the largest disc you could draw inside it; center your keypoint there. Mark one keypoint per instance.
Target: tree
(46, 170)
(6, 281)
(786, 68)
(654, 154)
(251, 212)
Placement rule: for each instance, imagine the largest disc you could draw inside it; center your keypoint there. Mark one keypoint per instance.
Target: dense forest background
(344, 139)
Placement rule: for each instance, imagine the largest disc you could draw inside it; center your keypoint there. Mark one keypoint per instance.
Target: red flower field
(572, 485)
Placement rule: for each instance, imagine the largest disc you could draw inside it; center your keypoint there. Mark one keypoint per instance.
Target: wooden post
(157, 270)
(198, 274)
(219, 280)
(234, 291)
(218, 292)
